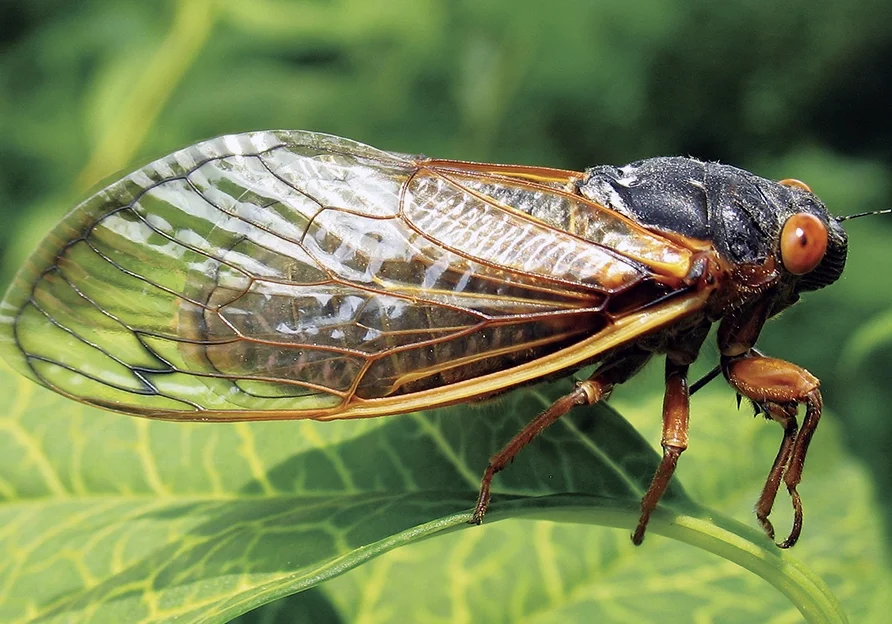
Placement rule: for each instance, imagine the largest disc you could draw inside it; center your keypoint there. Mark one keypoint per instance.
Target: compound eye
(803, 243)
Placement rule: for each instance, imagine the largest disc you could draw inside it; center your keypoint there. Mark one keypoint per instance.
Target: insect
(285, 275)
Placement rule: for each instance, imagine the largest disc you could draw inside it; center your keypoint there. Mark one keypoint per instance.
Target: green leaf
(110, 518)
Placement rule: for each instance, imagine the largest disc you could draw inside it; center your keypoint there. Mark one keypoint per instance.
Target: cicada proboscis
(285, 275)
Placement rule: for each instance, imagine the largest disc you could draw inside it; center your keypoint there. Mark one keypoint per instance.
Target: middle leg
(676, 416)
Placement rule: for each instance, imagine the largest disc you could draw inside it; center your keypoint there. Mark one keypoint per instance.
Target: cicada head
(811, 244)
(755, 219)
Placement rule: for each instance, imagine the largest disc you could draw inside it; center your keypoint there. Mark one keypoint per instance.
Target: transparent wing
(295, 274)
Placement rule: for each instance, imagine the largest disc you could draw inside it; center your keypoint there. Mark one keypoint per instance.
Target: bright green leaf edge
(733, 541)
(721, 536)
(716, 534)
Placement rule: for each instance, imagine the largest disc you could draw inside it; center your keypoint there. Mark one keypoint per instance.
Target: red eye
(803, 243)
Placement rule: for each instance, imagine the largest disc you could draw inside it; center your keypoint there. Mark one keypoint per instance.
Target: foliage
(121, 519)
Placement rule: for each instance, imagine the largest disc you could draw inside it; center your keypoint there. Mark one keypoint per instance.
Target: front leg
(776, 388)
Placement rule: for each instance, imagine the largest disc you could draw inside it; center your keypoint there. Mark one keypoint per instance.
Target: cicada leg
(587, 392)
(786, 416)
(676, 417)
(776, 388)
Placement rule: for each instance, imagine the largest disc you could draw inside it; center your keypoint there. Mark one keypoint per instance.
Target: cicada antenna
(705, 379)
(715, 372)
(863, 214)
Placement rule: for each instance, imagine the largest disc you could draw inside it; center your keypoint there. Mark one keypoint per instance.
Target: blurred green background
(800, 90)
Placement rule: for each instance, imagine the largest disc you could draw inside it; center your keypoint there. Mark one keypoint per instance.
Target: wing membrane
(294, 274)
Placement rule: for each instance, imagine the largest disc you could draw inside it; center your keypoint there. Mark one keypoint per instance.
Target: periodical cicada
(285, 275)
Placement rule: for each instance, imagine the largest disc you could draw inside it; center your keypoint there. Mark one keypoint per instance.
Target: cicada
(289, 275)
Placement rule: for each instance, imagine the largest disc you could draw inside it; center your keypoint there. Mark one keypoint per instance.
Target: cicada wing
(294, 274)
(115, 306)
